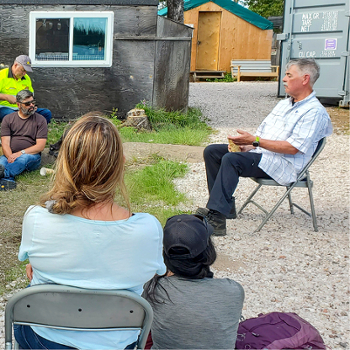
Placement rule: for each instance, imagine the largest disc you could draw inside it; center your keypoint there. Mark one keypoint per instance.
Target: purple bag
(278, 330)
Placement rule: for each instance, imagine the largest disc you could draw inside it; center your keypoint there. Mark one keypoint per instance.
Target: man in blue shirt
(281, 147)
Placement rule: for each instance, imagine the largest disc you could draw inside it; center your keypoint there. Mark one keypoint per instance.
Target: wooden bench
(207, 74)
(253, 68)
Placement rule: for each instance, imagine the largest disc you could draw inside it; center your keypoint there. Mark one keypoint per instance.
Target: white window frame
(34, 15)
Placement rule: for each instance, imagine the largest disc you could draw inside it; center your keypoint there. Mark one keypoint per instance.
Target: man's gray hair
(23, 94)
(306, 66)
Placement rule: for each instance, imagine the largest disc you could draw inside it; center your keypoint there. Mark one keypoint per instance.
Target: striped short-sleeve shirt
(302, 124)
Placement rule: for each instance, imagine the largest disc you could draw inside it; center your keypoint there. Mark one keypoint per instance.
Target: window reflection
(89, 38)
(52, 39)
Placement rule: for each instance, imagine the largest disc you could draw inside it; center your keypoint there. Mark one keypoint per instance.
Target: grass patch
(175, 127)
(56, 129)
(153, 183)
(15, 278)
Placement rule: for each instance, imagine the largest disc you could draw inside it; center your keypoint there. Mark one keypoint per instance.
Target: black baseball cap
(186, 236)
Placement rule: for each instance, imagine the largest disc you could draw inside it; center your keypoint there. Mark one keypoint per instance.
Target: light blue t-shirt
(66, 249)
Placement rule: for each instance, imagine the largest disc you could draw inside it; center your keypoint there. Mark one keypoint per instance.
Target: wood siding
(238, 38)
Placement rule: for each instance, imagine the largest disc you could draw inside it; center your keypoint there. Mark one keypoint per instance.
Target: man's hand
(9, 98)
(246, 148)
(13, 157)
(29, 271)
(243, 139)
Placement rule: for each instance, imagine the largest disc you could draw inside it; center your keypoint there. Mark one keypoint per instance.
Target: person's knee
(232, 159)
(46, 113)
(48, 116)
(212, 152)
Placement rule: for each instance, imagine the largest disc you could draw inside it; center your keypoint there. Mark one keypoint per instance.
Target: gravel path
(287, 266)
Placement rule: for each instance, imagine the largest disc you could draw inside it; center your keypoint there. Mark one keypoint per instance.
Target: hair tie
(49, 205)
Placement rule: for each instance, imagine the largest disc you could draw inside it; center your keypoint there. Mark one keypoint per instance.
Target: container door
(208, 40)
(318, 29)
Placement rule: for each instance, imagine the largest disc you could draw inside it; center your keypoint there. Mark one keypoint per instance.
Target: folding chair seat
(71, 308)
(303, 180)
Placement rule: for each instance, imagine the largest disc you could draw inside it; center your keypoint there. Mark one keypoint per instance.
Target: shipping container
(319, 29)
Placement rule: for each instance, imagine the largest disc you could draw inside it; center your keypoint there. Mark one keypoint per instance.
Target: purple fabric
(278, 330)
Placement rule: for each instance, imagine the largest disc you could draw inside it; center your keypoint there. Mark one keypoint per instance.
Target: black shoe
(233, 214)
(202, 211)
(2, 171)
(218, 221)
(6, 185)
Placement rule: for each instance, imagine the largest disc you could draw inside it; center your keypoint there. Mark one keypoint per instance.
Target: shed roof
(230, 6)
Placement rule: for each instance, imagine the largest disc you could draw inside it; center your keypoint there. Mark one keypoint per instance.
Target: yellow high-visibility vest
(10, 86)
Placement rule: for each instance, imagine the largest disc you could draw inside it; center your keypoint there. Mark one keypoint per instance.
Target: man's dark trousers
(223, 171)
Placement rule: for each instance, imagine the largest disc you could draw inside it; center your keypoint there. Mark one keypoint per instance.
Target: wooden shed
(98, 54)
(225, 30)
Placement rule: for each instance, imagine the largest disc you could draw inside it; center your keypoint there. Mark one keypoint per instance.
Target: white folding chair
(71, 308)
(303, 180)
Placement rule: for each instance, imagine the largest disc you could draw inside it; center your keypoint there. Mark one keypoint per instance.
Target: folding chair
(303, 180)
(71, 308)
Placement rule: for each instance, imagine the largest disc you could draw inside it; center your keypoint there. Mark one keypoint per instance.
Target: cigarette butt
(46, 171)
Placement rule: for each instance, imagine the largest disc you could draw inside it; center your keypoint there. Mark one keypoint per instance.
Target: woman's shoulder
(144, 217)
(35, 209)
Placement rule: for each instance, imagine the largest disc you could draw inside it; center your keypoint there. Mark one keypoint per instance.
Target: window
(70, 39)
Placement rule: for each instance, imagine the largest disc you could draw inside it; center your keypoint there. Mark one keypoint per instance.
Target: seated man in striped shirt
(281, 147)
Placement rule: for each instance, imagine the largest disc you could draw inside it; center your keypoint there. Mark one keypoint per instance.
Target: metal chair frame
(71, 308)
(303, 180)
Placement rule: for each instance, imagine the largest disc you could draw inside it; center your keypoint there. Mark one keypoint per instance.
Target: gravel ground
(287, 266)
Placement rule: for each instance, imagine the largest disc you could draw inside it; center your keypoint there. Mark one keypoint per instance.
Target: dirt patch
(181, 153)
(340, 118)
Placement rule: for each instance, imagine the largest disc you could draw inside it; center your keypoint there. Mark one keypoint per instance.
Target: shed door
(208, 40)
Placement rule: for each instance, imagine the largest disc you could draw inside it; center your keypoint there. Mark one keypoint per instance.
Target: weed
(56, 129)
(172, 127)
(228, 79)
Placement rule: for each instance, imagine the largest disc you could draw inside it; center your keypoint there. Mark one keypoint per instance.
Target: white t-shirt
(66, 249)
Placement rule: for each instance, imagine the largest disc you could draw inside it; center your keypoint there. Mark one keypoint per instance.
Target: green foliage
(154, 183)
(56, 129)
(265, 8)
(228, 79)
(170, 127)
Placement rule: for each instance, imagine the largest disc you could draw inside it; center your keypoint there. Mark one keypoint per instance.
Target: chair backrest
(65, 307)
(318, 150)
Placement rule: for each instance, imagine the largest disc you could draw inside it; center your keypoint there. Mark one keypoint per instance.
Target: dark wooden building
(98, 54)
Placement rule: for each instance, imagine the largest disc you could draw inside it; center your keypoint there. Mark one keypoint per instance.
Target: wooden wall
(71, 91)
(172, 73)
(238, 38)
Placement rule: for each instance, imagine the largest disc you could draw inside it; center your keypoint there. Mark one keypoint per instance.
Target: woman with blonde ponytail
(80, 236)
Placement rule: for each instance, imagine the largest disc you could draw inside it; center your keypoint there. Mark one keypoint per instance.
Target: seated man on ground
(23, 137)
(13, 80)
(283, 144)
(192, 310)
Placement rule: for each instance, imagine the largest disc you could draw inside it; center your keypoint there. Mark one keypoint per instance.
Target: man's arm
(5, 143)
(9, 98)
(245, 139)
(37, 148)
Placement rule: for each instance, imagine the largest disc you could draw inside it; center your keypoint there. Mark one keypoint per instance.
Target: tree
(265, 8)
(176, 10)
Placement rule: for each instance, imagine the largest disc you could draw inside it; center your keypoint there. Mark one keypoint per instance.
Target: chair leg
(267, 217)
(290, 202)
(249, 199)
(313, 212)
